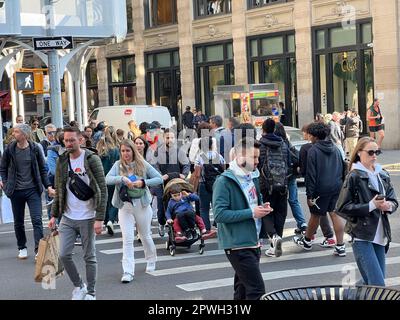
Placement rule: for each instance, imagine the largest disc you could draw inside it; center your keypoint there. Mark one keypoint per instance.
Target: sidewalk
(390, 157)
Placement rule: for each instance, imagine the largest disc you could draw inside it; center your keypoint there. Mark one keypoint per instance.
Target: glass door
(344, 80)
(216, 77)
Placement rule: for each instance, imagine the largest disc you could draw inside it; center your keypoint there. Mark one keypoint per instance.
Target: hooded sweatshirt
(374, 179)
(248, 187)
(325, 170)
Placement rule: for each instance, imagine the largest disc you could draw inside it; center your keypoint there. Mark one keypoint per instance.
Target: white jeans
(128, 215)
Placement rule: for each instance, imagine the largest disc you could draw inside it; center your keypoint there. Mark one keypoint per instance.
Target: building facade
(324, 55)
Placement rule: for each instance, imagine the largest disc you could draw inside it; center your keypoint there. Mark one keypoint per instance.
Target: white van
(119, 116)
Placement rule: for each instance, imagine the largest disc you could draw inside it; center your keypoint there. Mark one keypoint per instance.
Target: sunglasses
(36, 124)
(372, 152)
(52, 133)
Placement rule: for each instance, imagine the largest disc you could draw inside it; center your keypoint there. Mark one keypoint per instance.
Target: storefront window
(160, 12)
(92, 91)
(272, 60)
(214, 67)
(345, 67)
(163, 86)
(345, 80)
(116, 70)
(341, 37)
(204, 8)
(122, 75)
(271, 46)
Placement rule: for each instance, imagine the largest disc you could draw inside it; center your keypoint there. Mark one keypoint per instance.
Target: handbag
(48, 263)
(77, 186)
(126, 194)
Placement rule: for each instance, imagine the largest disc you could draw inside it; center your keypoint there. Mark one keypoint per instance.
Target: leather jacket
(353, 205)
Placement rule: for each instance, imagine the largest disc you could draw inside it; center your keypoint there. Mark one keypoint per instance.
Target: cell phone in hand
(380, 197)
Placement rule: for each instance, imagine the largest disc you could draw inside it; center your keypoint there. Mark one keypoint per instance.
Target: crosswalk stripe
(220, 265)
(119, 250)
(392, 282)
(274, 275)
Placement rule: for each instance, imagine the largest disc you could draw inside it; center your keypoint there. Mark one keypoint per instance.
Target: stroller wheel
(172, 250)
(201, 249)
(167, 244)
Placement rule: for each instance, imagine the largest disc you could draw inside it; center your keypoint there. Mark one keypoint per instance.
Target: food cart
(251, 103)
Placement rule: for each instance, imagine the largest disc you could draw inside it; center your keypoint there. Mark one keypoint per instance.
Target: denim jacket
(152, 178)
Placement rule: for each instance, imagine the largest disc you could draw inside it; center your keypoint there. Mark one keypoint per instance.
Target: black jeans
(186, 220)
(274, 222)
(18, 201)
(158, 191)
(248, 283)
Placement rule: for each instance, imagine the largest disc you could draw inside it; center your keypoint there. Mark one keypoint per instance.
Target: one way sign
(52, 43)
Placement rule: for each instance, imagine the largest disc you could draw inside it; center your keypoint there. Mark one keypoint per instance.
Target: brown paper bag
(48, 258)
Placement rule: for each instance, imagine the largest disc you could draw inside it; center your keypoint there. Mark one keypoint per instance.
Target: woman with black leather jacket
(366, 199)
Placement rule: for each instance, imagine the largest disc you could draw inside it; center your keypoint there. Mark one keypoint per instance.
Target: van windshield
(94, 114)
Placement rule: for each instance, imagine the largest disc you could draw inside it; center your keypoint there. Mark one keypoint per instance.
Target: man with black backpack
(208, 166)
(273, 166)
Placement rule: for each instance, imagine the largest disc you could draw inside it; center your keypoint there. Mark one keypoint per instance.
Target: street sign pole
(55, 89)
(54, 72)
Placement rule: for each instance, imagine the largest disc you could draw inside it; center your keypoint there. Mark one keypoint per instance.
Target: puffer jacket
(353, 205)
(97, 180)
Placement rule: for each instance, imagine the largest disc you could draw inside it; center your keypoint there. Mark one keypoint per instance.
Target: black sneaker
(189, 235)
(194, 233)
(302, 243)
(340, 251)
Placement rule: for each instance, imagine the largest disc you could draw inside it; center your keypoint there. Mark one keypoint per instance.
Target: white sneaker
(270, 252)
(89, 297)
(110, 228)
(126, 278)
(79, 293)
(151, 266)
(277, 244)
(23, 254)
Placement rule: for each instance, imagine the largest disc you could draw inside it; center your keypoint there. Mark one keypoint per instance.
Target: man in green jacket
(84, 217)
(238, 209)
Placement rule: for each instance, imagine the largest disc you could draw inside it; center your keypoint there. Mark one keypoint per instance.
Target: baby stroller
(171, 244)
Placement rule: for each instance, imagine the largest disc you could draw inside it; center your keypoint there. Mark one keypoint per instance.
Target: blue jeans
(294, 203)
(18, 200)
(158, 191)
(370, 258)
(205, 201)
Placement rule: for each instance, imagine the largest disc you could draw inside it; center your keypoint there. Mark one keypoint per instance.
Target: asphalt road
(189, 275)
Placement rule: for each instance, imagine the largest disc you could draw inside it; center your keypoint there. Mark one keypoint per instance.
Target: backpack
(210, 172)
(294, 160)
(275, 170)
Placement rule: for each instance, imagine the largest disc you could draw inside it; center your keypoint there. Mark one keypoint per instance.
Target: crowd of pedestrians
(103, 176)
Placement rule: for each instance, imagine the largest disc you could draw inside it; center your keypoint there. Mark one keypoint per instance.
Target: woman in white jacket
(137, 174)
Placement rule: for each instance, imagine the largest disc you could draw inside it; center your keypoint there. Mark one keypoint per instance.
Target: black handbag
(78, 187)
(123, 194)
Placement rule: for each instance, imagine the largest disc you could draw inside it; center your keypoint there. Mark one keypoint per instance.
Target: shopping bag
(6, 214)
(48, 263)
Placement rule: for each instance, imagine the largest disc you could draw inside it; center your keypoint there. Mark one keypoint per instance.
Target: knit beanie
(26, 129)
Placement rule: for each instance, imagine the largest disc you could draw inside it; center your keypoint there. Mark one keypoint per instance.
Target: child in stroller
(181, 215)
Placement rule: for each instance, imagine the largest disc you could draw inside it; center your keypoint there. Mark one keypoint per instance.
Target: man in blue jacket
(238, 209)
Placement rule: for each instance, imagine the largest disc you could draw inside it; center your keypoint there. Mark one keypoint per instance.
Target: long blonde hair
(137, 164)
(105, 145)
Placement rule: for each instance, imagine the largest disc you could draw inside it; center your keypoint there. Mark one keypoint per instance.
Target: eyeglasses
(372, 152)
